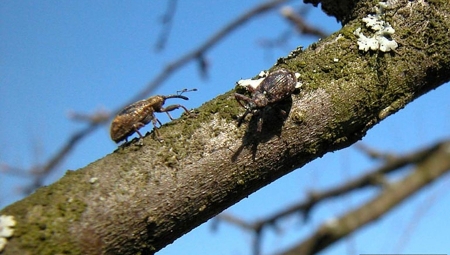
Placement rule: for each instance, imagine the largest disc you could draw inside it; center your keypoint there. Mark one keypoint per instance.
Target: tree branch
(141, 198)
(430, 169)
(305, 207)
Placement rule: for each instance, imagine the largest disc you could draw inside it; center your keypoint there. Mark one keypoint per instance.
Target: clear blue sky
(61, 56)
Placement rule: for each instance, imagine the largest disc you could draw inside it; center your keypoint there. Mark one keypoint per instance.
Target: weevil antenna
(180, 92)
(175, 96)
(178, 95)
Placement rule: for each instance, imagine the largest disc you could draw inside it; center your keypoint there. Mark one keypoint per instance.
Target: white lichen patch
(339, 37)
(253, 83)
(250, 82)
(381, 39)
(6, 230)
(299, 83)
(262, 75)
(93, 180)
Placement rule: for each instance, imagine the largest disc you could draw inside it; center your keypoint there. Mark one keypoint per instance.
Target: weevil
(137, 115)
(276, 87)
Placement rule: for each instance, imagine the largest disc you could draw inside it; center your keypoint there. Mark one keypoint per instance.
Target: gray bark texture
(141, 198)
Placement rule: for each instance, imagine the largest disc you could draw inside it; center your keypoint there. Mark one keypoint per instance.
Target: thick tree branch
(141, 198)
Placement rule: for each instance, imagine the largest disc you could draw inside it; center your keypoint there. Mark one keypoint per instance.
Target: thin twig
(426, 171)
(301, 25)
(167, 22)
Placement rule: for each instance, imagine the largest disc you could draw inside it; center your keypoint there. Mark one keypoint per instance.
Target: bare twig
(42, 172)
(99, 117)
(167, 22)
(301, 25)
(373, 153)
(427, 170)
(419, 214)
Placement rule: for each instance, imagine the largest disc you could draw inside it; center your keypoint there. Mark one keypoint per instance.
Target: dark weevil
(276, 87)
(135, 116)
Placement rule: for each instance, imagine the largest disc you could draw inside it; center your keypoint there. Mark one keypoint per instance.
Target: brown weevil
(137, 115)
(276, 87)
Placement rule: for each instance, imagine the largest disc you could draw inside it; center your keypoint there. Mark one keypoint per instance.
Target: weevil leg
(159, 122)
(171, 108)
(240, 98)
(170, 116)
(241, 119)
(260, 121)
(139, 133)
(155, 128)
(136, 128)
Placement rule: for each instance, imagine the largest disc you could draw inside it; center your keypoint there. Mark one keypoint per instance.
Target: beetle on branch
(139, 114)
(275, 88)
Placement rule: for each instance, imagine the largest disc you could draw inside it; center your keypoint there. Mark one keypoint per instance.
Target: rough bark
(141, 198)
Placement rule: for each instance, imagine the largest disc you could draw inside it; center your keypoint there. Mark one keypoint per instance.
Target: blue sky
(61, 56)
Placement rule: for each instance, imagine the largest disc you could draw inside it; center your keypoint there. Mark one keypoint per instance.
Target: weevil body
(139, 114)
(276, 87)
